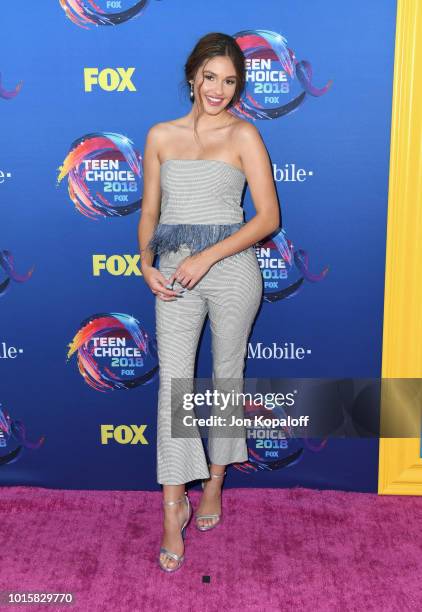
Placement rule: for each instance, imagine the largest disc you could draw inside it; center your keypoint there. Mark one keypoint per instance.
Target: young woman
(195, 169)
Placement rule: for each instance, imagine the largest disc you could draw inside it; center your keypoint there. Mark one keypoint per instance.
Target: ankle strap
(217, 475)
(176, 501)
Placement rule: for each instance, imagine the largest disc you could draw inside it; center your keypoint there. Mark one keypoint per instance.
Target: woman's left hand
(191, 269)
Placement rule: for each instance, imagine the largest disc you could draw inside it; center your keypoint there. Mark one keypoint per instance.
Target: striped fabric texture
(200, 204)
(229, 293)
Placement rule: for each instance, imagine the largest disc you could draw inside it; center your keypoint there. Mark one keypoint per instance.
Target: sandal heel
(179, 558)
(198, 517)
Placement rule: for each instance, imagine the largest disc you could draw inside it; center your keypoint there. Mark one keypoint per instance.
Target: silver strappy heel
(198, 517)
(172, 555)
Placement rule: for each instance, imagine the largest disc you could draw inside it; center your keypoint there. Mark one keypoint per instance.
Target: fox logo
(109, 79)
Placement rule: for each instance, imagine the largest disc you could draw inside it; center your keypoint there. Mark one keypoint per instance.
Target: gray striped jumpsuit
(201, 205)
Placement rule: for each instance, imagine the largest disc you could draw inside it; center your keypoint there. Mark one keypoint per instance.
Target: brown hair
(212, 45)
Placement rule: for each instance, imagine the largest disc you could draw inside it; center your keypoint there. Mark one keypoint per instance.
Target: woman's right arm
(150, 210)
(150, 213)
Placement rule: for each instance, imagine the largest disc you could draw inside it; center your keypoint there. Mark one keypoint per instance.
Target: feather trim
(169, 237)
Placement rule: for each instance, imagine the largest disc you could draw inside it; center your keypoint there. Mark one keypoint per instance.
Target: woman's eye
(229, 82)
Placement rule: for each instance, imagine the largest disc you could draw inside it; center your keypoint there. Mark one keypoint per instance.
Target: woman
(195, 168)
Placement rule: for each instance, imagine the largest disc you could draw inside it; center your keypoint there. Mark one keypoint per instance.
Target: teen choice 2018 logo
(105, 175)
(114, 352)
(269, 448)
(13, 438)
(8, 94)
(272, 447)
(276, 256)
(276, 82)
(87, 13)
(8, 265)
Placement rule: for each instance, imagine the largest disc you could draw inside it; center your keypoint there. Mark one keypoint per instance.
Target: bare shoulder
(157, 131)
(161, 134)
(164, 127)
(246, 132)
(251, 148)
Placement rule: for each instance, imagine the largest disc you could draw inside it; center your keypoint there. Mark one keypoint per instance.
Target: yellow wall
(400, 465)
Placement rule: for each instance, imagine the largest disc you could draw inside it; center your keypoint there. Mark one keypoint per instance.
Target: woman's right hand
(157, 282)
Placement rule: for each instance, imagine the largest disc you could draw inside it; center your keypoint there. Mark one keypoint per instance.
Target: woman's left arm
(257, 168)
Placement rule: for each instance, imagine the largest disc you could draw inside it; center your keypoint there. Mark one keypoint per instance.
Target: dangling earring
(191, 91)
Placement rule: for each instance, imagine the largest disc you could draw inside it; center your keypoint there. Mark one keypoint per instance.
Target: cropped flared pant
(230, 293)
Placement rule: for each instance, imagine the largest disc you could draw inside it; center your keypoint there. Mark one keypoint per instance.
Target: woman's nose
(218, 89)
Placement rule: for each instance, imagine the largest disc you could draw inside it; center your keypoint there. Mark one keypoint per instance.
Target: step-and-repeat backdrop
(81, 84)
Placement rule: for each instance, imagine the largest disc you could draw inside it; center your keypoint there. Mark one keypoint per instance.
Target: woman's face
(219, 84)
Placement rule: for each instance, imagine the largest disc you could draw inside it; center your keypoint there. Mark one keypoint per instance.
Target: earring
(191, 91)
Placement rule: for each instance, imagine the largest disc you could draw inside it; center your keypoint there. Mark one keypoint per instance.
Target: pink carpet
(276, 549)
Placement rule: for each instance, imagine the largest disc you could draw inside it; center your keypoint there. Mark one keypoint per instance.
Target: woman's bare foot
(174, 517)
(211, 497)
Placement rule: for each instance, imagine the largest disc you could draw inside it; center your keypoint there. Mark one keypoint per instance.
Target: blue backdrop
(68, 247)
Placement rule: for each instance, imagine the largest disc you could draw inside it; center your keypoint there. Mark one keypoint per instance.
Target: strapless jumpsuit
(201, 205)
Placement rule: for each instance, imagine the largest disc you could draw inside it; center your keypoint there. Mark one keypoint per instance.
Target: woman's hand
(157, 282)
(191, 269)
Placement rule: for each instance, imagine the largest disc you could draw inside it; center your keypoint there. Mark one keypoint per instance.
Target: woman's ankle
(217, 471)
(173, 495)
